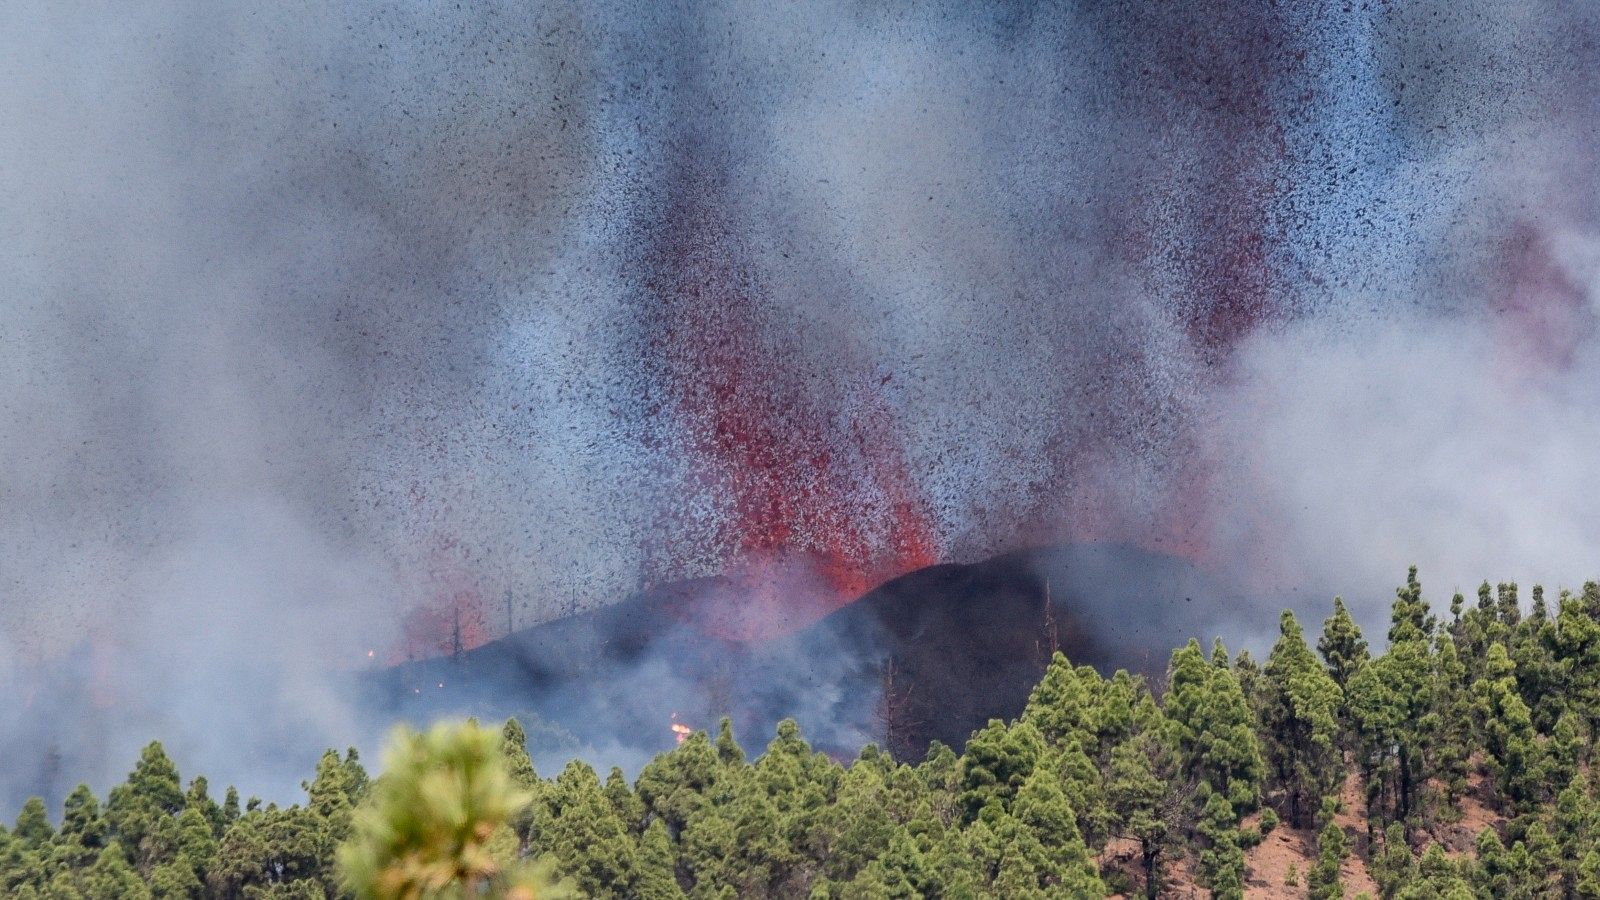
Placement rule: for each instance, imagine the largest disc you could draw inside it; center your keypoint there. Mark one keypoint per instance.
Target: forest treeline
(1479, 720)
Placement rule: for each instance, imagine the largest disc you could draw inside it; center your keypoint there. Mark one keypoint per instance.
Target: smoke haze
(316, 319)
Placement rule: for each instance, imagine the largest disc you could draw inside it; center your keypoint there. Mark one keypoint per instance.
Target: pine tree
(1506, 726)
(274, 851)
(655, 865)
(151, 794)
(1114, 715)
(1395, 866)
(175, 879)
(1540, 678)
(627, 805)
(747, 844)
(996, 763)
(1213, 729)
(1496, 874)
(1222, 857)
(1588, 882)
(154, 780)
(199, 799)
(83, 831)
(676, 785)
(197, 847)
(1342, 647)
(1042, 809)
(728, 750)
(586, 835)
(111, 878)
(230, 806)
(1577, 650)
(329, 792)
(1480, 627)
(1248, 674)
(1447, 727)
(514, 747)
(1576, 822)
(856, 826)
(940, 774)
(33, 829)
(799, 782)
(1409, 618)
(1064, 706)
(1323, 880)
(1388, 699)
(1136, 795)
(903, 872)
(1300, 723)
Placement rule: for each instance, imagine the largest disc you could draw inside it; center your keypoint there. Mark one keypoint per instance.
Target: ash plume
(319, 322)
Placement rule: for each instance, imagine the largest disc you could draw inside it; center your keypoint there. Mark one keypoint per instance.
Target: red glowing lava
(817, 501)
(453, 619)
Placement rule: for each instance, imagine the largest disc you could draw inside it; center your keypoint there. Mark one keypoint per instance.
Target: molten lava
(454, 618)
(819, 504)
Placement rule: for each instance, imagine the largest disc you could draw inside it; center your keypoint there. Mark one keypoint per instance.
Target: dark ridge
(931, 655)
(951, 646)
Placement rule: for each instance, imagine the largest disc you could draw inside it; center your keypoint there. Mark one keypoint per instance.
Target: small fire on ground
(680, 731)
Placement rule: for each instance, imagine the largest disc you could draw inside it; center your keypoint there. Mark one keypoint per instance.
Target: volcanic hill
(931, 655)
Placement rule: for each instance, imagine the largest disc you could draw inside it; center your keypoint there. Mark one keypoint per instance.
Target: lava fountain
(817, 502)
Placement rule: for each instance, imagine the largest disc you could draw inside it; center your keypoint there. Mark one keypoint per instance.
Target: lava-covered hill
(952, 646)
(931, 655)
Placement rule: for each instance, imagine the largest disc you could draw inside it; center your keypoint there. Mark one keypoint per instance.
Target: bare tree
(897, 721)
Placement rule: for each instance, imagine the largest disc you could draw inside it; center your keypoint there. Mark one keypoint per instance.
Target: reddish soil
(1267, 864)
(1459, 837)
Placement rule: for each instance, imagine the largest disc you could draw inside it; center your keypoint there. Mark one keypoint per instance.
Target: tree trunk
(1151, 889)
(1405, 784)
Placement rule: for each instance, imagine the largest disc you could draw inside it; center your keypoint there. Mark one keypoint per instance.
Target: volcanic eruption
(813, 499)
(712, 358)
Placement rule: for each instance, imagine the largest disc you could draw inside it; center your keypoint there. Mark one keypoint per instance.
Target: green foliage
(1323, 880)
(1099, 785)
(1299, 723)
(1438, 878)
(997, 762)
(1269, 820)
(1388, 700)
(1506, 727)
(1342, 647)
(584, 830)
(33, 829)
(1213, 728)
(429, 827)
(1447, 727)
(514, 747)
(1064, 706)
(655, 875)
(1575, 824)
(1394, 866)
(1221, 856)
